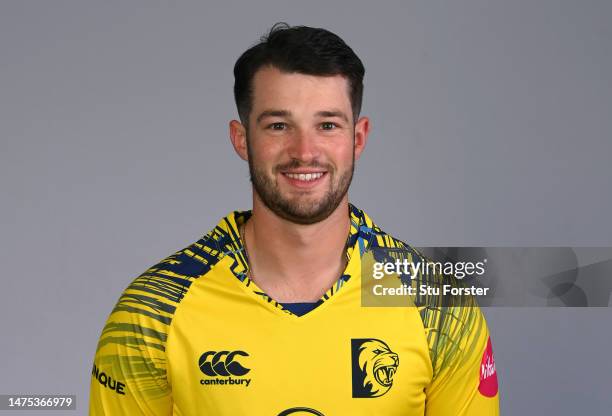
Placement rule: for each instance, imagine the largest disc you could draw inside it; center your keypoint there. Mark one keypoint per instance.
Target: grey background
(491, 126)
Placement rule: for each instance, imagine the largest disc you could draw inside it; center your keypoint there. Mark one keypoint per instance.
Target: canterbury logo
(222, 363)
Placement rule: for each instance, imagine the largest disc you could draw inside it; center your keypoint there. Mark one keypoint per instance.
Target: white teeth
(305, 176)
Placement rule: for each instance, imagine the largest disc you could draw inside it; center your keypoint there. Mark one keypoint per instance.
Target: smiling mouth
(306, 177)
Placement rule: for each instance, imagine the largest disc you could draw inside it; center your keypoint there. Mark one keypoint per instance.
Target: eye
(377, 351)
(328, 125)
(277, 126)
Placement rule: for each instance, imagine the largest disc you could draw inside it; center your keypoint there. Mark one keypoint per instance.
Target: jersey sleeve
(465, 379)
(129, 370)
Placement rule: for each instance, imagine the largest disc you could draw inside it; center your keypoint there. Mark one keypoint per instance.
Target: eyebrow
(273, 113)
(332, 113)
(285, 113)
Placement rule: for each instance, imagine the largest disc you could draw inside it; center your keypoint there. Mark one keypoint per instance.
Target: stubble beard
(297, 210)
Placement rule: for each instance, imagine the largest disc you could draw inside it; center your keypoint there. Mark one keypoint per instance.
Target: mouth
(304, 179)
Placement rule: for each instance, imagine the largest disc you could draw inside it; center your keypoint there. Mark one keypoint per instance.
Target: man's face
(300, 143)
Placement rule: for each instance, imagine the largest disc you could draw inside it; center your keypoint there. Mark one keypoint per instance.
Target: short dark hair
(301, 49)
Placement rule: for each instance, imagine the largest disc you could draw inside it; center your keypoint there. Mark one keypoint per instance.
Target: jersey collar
(227, 242)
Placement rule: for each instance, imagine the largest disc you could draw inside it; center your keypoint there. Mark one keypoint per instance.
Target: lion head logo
(374, 365)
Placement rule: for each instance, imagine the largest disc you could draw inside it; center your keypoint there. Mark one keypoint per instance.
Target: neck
(296, 262)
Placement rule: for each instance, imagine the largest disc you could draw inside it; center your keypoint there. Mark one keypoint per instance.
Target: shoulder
(454, 326)
(157, 292)
(154, 296)
(132, 346)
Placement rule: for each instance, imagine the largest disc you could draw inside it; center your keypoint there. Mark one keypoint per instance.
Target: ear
(239, 140)
(362, 129)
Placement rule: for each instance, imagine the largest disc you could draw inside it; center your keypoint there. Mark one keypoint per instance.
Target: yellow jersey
(193, 335)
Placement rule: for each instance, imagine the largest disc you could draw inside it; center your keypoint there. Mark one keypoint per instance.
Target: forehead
(284, 90)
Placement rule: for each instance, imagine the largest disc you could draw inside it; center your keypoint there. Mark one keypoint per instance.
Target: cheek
(344, 156)
(267, 156)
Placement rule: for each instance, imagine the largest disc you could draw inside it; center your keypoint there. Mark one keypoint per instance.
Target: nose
(303, 147)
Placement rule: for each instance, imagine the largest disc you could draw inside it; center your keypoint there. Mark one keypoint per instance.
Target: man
(263, 315)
